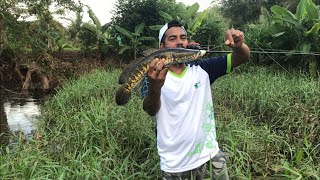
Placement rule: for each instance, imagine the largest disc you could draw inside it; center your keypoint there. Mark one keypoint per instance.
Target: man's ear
(161, 45)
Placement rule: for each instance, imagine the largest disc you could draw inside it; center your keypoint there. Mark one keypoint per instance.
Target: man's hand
(234, 38)
(157, 76)
(240, 51)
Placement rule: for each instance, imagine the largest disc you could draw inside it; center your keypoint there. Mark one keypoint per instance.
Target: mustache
(180, 46)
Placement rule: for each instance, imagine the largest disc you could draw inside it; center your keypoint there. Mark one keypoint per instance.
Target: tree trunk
(313, 67)
(2, 34)
(45, 83)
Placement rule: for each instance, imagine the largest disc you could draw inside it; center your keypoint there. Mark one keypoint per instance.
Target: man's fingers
(229, 38)
(152, 65)
(156, 67)
(234, 38)
(163, 73)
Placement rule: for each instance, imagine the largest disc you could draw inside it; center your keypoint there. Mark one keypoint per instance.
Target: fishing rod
(259, 52)
(269, 52)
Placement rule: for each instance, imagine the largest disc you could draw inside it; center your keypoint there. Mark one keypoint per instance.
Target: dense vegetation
(267, 122)
(268, 111)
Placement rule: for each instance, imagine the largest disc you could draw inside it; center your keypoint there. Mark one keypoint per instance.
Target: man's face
(175, 37)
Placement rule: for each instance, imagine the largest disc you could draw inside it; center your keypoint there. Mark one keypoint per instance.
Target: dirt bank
(48, 71)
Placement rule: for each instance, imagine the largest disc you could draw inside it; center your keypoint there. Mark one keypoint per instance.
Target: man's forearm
(152, 103)
(240, 55)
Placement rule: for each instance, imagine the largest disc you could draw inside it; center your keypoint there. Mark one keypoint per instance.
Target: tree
(306, 24)
(187, 15)
(16, 30)
(129, 13)
(212, 29)
(101, 33)
(135, 38)
(241, 12)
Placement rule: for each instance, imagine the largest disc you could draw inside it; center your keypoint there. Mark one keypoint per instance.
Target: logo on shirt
(197, 85)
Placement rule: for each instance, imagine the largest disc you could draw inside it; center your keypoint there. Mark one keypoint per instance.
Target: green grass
(268, 123)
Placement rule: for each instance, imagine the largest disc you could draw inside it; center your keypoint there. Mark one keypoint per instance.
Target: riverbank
(267, 122)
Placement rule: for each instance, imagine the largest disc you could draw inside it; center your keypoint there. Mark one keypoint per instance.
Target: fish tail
(122, 96)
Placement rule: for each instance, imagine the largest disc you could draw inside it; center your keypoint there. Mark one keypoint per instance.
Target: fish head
(190, 54)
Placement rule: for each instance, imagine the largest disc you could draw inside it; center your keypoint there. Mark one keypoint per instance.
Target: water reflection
(22, 116)
(19, 111)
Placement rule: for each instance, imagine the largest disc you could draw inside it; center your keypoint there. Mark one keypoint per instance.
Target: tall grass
(86, 135)
(268, 123)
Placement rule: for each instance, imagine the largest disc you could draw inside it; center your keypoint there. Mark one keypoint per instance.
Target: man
(180, 97)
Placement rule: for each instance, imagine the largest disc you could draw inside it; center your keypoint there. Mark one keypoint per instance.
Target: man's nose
(179, 42)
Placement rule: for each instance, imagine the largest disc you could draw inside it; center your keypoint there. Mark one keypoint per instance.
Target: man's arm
(157, 75)
(240, 51)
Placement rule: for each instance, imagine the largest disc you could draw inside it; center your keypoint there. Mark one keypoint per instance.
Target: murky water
(20, 111)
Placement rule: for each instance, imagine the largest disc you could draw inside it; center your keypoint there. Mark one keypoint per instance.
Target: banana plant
(188, 17)
(135, 38)
(306, 22)
(102, 33)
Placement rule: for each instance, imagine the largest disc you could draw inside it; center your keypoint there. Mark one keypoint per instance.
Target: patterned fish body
(140, 69)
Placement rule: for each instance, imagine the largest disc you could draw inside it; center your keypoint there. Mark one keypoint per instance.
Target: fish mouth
(200, 53)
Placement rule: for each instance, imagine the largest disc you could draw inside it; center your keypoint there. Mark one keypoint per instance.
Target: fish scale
(140, 69)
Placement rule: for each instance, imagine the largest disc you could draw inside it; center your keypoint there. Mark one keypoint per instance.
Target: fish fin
(149, 51)
(122, 97)
(127, 71)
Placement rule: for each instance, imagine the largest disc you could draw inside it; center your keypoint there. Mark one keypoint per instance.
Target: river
(19, 111)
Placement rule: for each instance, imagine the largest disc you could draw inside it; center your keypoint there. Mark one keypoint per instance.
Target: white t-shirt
(186, 132)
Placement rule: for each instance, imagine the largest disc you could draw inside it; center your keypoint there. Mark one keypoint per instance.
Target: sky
(102, 8)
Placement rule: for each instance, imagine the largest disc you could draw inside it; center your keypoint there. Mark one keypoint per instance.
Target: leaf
(285, 15)
(123, 49)
(198, 21)
(301, 10)
(156, 27)
(94, 19)
(90, 28)
(144, 38)
(139, 28)
(124, 32)
(192, 10)
(299, 156)
(312, 10)
(167, 17)
(305, 47)
(278, 34)
(314, 30)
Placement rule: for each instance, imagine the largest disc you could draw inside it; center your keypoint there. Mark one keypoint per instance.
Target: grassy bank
(268, 123)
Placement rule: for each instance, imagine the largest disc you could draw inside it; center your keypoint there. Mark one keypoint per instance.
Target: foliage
(267, 122)
(135, 38)
(305, 24)
(187, 15)
(101, 33)
(129, 13)
(241, 12)
(87, 39)
(211, 32)
(17, 30)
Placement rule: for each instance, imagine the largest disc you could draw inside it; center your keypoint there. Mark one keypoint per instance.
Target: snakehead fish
(140, 69)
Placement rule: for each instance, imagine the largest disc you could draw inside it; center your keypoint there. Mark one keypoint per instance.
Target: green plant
(135, 38)
(187, 15)
(102, 33)
(306, 25)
